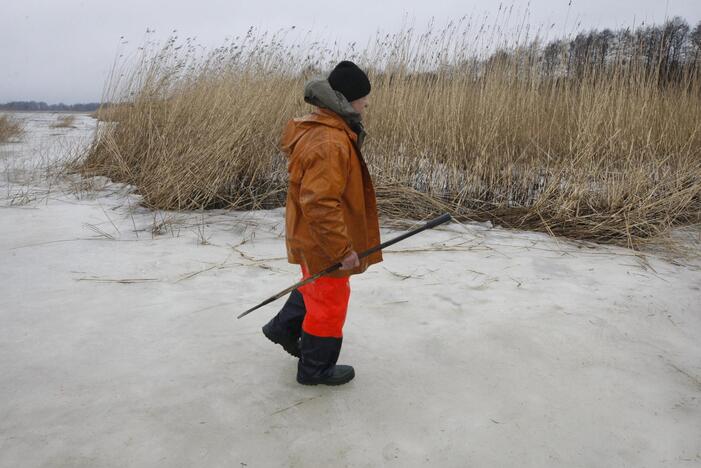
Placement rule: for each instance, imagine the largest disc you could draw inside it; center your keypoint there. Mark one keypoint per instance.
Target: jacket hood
(335, 111)
(320, 93)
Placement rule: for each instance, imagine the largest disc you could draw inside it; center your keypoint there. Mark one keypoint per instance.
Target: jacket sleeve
(323, 182)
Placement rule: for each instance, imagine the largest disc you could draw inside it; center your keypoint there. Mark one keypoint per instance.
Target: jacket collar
(296, 128)
(331, 119)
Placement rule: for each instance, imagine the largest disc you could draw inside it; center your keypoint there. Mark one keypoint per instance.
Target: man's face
(360, 105)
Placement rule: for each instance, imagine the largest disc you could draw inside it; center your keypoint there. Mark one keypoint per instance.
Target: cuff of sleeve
(346, 251)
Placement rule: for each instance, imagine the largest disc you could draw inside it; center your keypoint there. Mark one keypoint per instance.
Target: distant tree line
(42, 106)
(670, 53)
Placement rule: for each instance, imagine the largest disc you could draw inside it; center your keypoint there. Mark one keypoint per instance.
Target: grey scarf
(318, 92)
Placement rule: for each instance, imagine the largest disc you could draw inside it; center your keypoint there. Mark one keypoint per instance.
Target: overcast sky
(62, 50)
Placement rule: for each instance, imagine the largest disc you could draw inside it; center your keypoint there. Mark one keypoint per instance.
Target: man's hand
(351, 261)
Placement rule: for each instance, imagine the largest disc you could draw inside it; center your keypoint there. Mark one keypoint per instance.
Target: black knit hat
(349, 80)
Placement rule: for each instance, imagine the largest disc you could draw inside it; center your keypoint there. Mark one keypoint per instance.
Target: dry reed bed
(611, 154)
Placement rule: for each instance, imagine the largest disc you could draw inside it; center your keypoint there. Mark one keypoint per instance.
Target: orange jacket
(331, 206)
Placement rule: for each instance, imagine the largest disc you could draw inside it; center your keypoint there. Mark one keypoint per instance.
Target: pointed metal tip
(243, 315)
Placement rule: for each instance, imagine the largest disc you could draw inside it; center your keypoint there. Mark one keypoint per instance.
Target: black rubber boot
(286, 327)
(317, 364)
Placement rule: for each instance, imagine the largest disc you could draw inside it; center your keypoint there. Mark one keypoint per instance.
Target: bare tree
(696, 41)
(552, 56)
(674, 37)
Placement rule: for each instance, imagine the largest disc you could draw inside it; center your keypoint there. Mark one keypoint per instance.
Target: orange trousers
(326, 302)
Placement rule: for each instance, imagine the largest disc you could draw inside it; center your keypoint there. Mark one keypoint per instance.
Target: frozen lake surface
(473, 346)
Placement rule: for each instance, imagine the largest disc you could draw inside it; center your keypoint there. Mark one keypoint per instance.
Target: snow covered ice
(473, 346)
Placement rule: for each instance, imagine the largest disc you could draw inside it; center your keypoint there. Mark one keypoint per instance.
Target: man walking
(331, 215)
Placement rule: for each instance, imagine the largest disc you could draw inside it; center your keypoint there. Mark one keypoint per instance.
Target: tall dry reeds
(593, 145)
(9, 128)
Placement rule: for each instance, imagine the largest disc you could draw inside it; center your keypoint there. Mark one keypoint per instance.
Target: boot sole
(331, 384)
(323, 382)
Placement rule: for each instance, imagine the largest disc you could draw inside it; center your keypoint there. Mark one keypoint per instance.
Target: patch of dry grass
(9, 128)
(610, 154)
(64, 121)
